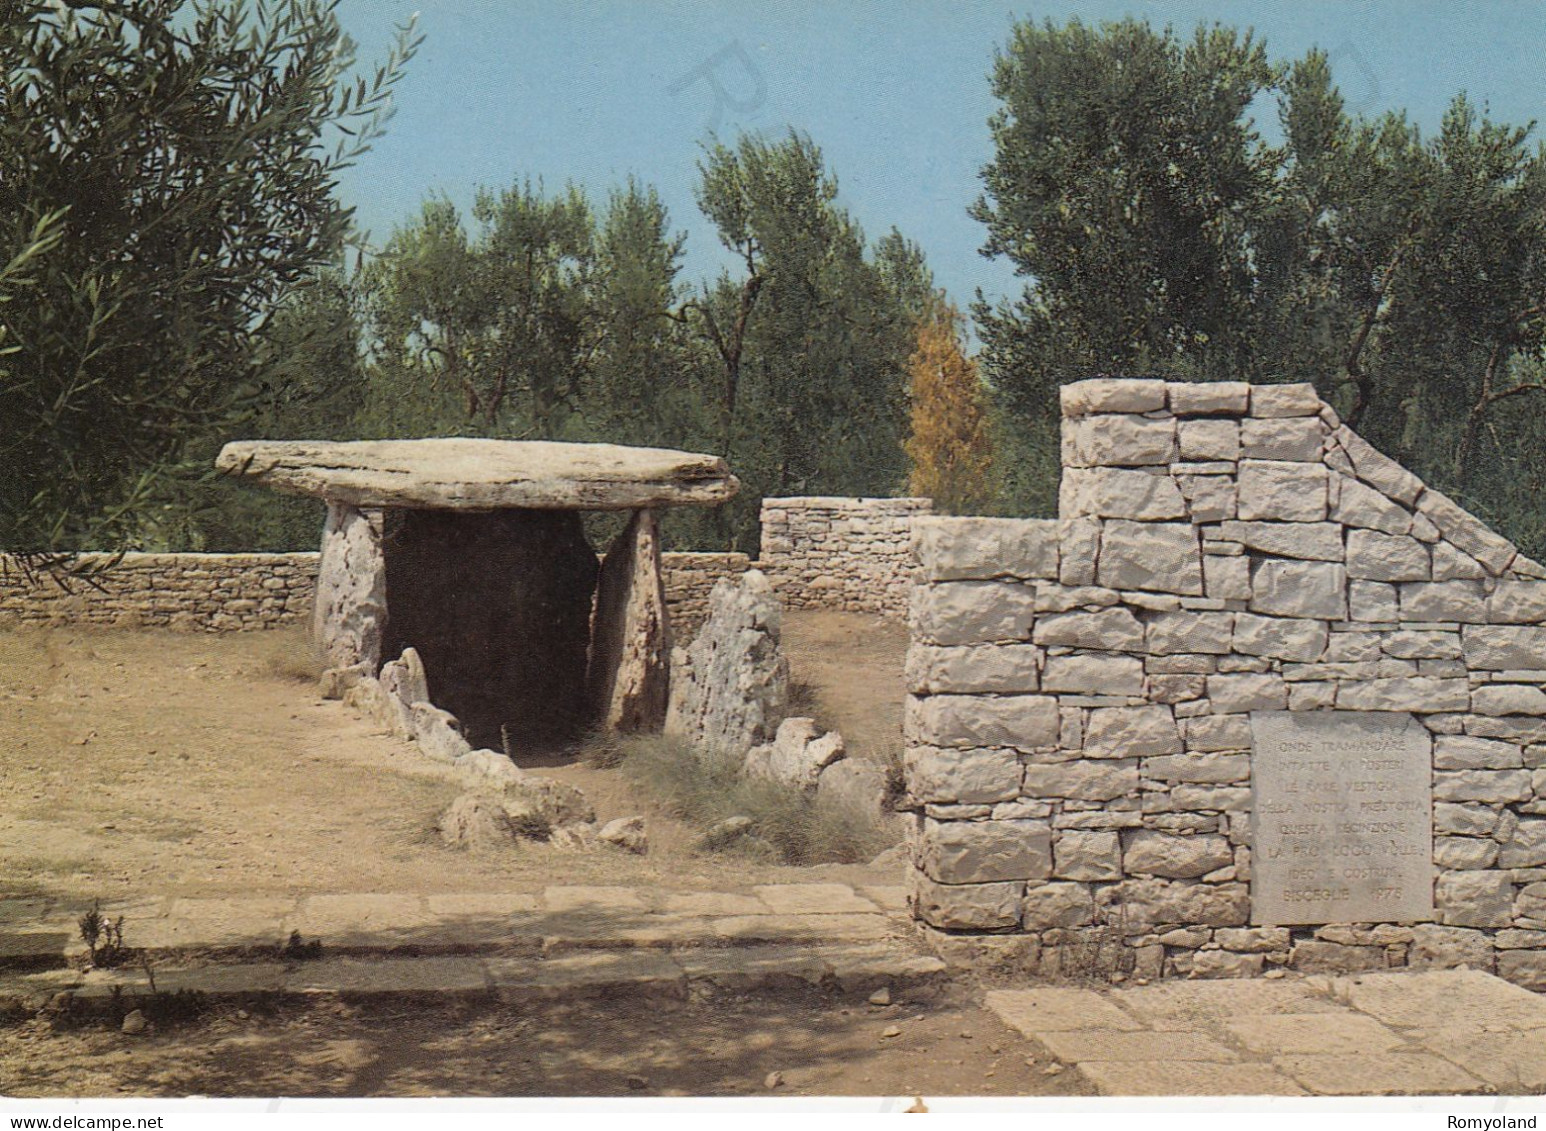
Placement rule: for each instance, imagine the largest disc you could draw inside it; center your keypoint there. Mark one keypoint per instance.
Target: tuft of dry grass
(787, 825)
(291, 656)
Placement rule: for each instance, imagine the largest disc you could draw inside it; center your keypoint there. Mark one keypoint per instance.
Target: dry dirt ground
(728, 1046)
(200, 765)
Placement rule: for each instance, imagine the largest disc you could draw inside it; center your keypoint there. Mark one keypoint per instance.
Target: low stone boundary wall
(229, 592)
(217, 592)
(1260, 698)
(841, 553)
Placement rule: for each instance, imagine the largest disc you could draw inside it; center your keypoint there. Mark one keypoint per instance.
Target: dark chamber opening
(498, 605)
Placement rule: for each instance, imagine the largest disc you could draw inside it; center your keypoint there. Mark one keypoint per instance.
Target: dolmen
(472, 552)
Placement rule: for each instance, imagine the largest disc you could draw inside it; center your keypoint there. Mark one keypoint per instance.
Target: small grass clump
(786, 823)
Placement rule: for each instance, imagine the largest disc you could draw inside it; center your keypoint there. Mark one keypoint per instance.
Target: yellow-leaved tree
(951, 444)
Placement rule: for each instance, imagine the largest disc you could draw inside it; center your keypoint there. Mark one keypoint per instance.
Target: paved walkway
(559, 941)
(1398, 1033)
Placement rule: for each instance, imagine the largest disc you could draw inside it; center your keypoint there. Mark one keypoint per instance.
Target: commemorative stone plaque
(1342, 818)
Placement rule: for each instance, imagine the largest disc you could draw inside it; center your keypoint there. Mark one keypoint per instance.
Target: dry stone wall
(1248, 627)
(838, 553)
(215, 592)
(227, 592)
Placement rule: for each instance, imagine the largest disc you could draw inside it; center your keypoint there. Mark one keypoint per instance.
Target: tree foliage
(176, 161)
(950, 445)
(1158, 232)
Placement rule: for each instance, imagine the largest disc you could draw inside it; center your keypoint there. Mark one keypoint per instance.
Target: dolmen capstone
(472, 552)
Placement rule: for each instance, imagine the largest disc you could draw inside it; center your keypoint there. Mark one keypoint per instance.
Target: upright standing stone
(630, 653)
(349, 617)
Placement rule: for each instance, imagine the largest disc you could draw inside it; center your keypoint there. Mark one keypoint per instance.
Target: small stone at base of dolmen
(476, 822)
(626, 833)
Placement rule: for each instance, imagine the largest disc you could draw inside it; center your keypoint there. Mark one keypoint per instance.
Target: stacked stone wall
(215, 592)
(227, 592)
(1083, 693)
(839, 553)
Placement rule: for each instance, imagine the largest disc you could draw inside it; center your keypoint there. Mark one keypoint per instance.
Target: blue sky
(894, 91)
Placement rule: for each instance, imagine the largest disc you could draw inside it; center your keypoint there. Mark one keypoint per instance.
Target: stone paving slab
(1438, 1032)
(1187, 1078)
(1378, 1074)
(559, 917)
(1050, 1009)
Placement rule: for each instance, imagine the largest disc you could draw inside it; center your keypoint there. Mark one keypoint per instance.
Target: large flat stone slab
(1053, 1009)
(1316, 1034)
(475, 474)
(1079, 1045)
(1458, 1000)
(1378, 1074)
(1186, 1078)
(1208, 1004)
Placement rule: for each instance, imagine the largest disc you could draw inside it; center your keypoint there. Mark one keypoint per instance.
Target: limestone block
(1508, 699)
(1049, 906)
(1297, 439)
(797, 754)
(438, 733)
(1416, 693)
(349, 615)
(973, 775)
(1496, 787)
(1531, 901)
(1475, 899)
(1010, 668)
(1517, 602)
(1110, 492)
(1279, 401)
(1146, 852)
(1078, 547)
(1504, 647)
(1282, 491)
(1022, 721)
(1204, 398)
(1082, 780)
(1087, 854)
(854, 786)
(630, 650)
(1241, 692)
(1131, 732)
(1466, 531)
(1215, 769)
(1209, 439)
(1253, 940)
(972, 852)
(1525, 968)
(1320, 541)
(1121, 440)
(966, 907)
(1172, 633)
(1299, 589)
(1410, 644)
(1377, 469)
(1464, 819)
(1466, 752)
(1450, 564)
(1114, 629)
(1215, 798)
(1063, 598)
(1093, 674)
(973, 612)
(1139, 905)
(1226, 578)
(1112, 394)
(1220, 732)
(1209, 498)
(1372, 556)
(1527, 847)
(960, 549)
(1280, 638)
(1150, 555)
(1372, 601)
(1464, 853)
(1357, 504)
